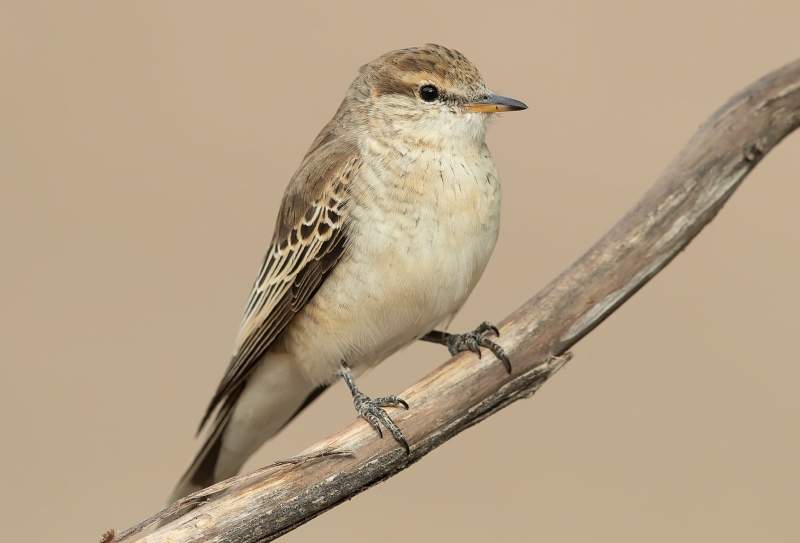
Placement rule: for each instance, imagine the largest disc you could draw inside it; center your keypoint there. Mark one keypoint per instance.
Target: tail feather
(200, 472)
(271, 397)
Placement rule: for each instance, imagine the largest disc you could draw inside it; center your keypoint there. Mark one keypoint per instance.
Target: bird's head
(430, 94)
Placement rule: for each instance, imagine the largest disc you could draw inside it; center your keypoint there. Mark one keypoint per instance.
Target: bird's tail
(273, 395)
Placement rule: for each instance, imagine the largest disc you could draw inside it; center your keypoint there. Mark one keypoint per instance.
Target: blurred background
(143, 152)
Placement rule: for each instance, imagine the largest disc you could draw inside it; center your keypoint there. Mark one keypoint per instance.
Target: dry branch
(268, 503)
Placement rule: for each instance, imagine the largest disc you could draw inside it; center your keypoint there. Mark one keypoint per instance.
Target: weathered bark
(263, 505)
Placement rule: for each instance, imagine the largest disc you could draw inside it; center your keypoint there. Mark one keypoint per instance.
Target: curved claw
(485, 327)
(498, 351)
(374, 422)
(475, 348)
(402, 440)
(372, 411)
(391, 401)
(394, 430)
(473, 341)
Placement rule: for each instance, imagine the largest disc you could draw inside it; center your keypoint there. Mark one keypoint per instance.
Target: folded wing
(310, 238)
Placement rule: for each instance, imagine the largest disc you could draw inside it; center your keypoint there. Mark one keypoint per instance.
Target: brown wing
(310, 238)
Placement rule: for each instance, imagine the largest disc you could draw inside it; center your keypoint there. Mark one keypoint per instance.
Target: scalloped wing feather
(310, 238)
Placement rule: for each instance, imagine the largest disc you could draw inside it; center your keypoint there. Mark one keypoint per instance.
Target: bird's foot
(473, 341)
(372, 410)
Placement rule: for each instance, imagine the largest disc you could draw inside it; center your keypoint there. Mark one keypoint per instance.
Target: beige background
(143, 150)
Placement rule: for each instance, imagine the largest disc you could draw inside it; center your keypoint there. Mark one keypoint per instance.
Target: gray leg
(372, 410)
(471, 341)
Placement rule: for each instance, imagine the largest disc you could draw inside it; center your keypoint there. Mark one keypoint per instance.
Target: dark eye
(429, 93)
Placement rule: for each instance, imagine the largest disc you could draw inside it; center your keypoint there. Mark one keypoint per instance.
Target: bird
(382, 234)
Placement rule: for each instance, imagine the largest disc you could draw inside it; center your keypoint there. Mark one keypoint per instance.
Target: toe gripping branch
(471, 341)
(372, 410)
